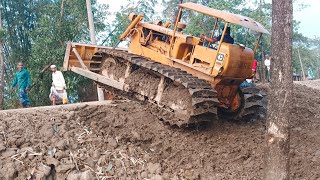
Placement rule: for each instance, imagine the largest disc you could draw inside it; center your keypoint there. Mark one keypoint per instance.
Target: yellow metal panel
(204, 54)
(86, 52)
(180, 48)
(136, 48)
(237, 64)
(161, 29)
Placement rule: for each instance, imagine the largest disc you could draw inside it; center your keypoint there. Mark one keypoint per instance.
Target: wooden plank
(98, 78)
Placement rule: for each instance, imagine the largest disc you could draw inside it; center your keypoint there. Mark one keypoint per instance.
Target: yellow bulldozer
(189, 79)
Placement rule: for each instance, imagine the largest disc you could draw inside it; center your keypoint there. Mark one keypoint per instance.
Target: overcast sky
(309, 17)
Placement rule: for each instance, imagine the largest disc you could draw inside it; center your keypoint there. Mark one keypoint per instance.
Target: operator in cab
(227, 37)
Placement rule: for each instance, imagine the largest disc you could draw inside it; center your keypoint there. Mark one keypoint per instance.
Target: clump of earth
(125, 140)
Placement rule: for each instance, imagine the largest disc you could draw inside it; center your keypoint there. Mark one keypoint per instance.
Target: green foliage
(309, 54)
(2, 34)
(36, 32)
(42, 39)
(121, 22)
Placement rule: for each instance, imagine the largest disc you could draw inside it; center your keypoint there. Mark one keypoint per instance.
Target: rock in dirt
(2, 147)
(90, 162)
(8, 153)
(10, 170)
(154, 168)
(135, 135)
(46, 132)
(52, 161)
(11, 140)
(192, 174)
(60, 154)
(156, 177)
(96, 154)
(20, 141)
(61, 144)
(73, 176)
(112, 142)
(44, 169)
(143, 175)
(316, 157)
(87, 175)
(62, 168)
(175, 178)
(317, 153)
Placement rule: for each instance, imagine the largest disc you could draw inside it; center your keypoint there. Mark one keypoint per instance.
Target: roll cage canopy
(226, 16)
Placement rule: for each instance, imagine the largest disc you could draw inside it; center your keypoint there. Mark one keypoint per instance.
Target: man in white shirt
(267, 63)
(58, 93)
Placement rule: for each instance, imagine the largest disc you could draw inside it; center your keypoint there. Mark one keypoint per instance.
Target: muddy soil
(315, 84)
(124, 140)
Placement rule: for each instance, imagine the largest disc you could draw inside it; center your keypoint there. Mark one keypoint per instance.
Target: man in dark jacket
(227, 38)
(22, 80)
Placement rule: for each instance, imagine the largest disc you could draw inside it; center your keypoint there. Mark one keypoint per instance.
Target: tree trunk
(100, 91)
(1, 68)
(280, 96)
(91, 23)
(263, 68)
(61, 22)
(301, 64)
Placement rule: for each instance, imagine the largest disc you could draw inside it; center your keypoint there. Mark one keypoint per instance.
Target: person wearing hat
(58, 92)
(227, 37)
(23, 81)
(181, 26)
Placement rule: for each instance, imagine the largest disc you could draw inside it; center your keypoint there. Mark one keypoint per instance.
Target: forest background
(36, 32)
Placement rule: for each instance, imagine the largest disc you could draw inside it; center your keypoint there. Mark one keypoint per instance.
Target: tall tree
(280, 98)
(121, 22)
(1, 64)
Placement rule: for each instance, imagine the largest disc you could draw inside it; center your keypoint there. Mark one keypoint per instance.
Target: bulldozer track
(254, 106)
(200, 105)
(182, 98)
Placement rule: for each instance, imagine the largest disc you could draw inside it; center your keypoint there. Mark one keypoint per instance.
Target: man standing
(23, 80)
(254, 70)
(58, 92)
(310, 74)
(267, 63)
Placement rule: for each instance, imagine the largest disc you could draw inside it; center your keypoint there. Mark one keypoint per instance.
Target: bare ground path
(125, 140)
(315, 84)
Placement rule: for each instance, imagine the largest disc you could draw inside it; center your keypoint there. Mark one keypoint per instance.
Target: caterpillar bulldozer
(189, 80)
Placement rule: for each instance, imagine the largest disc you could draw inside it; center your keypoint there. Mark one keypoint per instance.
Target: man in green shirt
(22, 80)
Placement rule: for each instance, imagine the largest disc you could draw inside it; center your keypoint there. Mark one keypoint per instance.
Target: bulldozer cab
(224, 58)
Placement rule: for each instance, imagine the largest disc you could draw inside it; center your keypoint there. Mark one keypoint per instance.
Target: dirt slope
(315, 84)
(125, 140)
